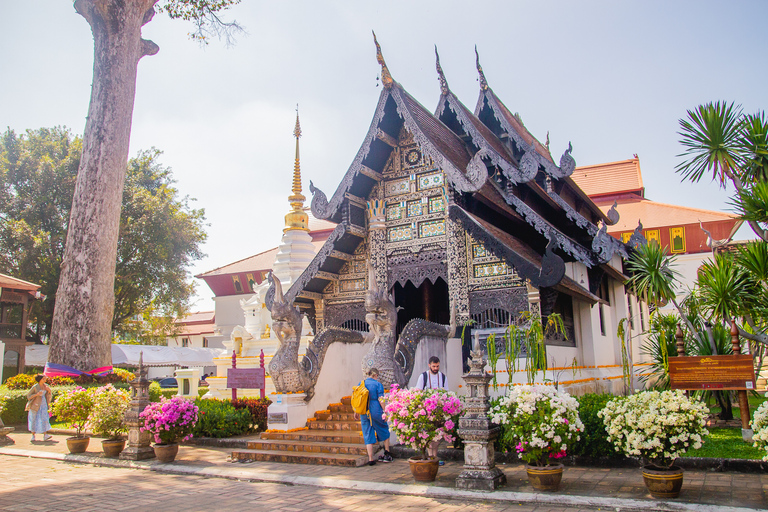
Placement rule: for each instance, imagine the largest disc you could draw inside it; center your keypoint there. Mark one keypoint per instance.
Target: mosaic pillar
(458, 282)
(377, 236)
(319, 315)
(534, 300)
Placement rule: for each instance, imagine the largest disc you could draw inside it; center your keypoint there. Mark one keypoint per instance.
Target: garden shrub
(258, 409)
(594, 440)
(21, 381)
(124, 375)
(155, 392)
(219, 418)
(60, 381)
(14, 412)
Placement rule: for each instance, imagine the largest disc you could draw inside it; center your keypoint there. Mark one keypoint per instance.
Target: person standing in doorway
(433, 378)
(375, 428)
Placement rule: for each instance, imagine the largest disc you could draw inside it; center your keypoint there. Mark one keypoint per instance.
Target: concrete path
(582, 488)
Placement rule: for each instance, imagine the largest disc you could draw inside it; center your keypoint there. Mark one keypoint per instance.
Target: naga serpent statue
(381, 316)
(287, 373)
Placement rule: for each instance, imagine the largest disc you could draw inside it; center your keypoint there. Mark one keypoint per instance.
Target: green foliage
(726, 443)
(107, 416)
(258, 409)
(659, 345)
(21, 381)
(529, 333)
(219, 418)
(206, 16)
(594, 440)
(160, 233)
(652, 273)
(155, 392)
(493, 357)
(125, 375)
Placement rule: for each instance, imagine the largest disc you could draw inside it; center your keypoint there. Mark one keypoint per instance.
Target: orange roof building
(677, 227)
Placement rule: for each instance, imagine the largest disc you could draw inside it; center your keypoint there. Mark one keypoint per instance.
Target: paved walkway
(582, 488)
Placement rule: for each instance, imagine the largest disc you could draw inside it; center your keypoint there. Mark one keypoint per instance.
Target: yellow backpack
(360, 398)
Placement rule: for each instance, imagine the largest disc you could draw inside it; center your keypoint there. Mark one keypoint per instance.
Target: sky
(611, 77)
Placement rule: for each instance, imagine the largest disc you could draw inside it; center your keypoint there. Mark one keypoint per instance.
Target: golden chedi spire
(297, 218)
(386, 78)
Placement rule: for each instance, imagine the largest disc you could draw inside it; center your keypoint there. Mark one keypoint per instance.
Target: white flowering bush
(658, 426)
(538, 422)
(107, 416)
(760, 428)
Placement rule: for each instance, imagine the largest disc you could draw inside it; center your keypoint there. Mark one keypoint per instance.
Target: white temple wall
(229, 313)
(341, 371)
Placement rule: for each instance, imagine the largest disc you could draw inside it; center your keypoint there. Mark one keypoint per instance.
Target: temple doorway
(429, 301)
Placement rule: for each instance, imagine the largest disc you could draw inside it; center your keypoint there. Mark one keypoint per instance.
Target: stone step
(324, 459)
(323, 436)
(334, 425)
(335, 416)
(341, 408)
(303, 446)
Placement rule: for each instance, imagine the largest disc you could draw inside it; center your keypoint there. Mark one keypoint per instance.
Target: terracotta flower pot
(166, 452)
(78, 444)
(545, 478)
(112, 447)
(424, 470)
(663, 482)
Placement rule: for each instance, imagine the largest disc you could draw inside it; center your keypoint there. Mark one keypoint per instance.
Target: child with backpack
(371, 415)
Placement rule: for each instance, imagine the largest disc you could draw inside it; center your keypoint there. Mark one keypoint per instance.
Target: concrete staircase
(332, 437)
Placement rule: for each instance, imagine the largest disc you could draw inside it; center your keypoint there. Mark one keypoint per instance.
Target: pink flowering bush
(420, 416)
(74, 407)
(170, 420)
(538, 422)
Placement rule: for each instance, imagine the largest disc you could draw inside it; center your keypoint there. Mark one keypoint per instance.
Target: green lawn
(726, 443)
(754, 402)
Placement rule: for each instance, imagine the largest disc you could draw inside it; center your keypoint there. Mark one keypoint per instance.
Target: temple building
(468, 220)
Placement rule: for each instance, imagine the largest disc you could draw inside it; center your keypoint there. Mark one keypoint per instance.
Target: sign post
(245, 378)
(723, 373)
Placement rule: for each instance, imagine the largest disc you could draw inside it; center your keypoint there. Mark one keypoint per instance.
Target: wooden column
(743, 401)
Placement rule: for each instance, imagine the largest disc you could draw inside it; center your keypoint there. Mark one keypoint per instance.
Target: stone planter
(4, 431)
(78, 444)
(545, 478)
(166, 452)
(424, 470)
(663, 482)
(112, 447)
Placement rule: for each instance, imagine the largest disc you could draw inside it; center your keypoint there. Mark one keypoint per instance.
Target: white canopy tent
(128, 355)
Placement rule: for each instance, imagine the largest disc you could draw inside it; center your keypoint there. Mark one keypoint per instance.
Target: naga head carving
(286, 320)
(381, 313)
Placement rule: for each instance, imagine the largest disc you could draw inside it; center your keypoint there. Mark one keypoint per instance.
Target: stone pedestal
(287, 412)
(138, 441)
(188, 380)
(477, 431)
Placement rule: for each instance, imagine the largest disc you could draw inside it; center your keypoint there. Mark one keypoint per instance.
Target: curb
(254, 475)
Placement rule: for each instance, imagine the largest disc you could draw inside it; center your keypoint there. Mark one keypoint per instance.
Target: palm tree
(721, 140)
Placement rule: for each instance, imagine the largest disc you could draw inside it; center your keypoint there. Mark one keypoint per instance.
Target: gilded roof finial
(386, 78)
(440, 74)
(546, 144)
(297, 217)
(483, 83)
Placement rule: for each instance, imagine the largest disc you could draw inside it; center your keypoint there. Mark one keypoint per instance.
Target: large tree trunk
(81, 333)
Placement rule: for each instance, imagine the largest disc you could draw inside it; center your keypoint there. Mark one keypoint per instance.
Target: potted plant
(540, 423)
(74, 407)
(169, 421)
(657, 426)
(760, 429)
(107, 418)
(419, 417)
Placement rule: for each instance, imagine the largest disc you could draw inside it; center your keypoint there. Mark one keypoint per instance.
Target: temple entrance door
(428, 301)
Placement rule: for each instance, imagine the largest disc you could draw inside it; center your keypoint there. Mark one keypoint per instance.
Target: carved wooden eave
(543, 271)
(396, 108)
(527, 149)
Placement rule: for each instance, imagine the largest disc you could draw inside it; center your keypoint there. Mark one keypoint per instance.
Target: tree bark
(81, 332)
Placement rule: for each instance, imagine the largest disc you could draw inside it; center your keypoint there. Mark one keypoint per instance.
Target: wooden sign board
(712, 372)
(245, 378)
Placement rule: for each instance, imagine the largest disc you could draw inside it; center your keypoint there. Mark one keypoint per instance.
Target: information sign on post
(245, 378)
(712, 372)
